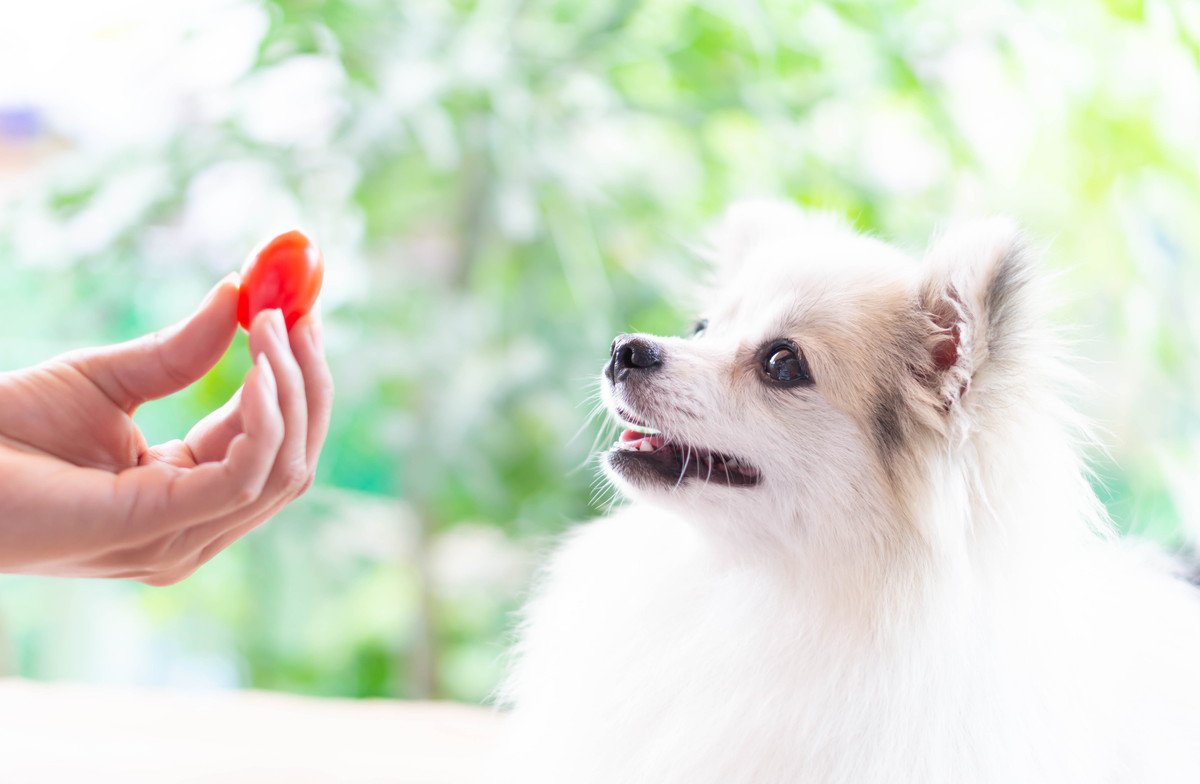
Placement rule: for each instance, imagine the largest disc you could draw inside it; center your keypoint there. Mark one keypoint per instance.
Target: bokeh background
(499, 187)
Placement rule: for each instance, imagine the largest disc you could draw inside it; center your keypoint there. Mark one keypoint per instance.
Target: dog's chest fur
(644, 661)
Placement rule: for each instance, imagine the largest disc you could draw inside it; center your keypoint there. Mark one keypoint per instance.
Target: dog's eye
(784, 364)
(699, 327)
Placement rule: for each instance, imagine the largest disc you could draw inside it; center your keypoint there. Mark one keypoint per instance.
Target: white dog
(862, 545)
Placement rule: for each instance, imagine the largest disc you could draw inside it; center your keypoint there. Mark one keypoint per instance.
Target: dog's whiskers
(687, 455)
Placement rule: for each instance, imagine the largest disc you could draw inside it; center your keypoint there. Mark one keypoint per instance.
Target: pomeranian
(862, 545)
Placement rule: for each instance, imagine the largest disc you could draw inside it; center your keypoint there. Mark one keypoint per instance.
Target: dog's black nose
(631, 352)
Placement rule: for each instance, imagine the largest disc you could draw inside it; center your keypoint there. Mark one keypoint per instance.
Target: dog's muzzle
(632, 353)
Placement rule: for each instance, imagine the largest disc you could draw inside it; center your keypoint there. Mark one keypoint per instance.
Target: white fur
(935, 602)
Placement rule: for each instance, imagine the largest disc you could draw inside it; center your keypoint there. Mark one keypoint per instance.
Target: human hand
(83, 495)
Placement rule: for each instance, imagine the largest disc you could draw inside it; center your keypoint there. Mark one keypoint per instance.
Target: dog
(862, 545)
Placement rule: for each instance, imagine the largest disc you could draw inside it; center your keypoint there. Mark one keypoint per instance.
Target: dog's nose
(631, 352)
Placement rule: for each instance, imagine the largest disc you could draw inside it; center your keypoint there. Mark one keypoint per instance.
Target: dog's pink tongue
(655, 441)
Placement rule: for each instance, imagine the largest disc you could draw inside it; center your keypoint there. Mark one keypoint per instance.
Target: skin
(83, 495)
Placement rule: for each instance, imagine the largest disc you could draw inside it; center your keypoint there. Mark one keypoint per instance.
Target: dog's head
(824, 371)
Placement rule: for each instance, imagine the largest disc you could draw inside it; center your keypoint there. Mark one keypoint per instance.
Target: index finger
(309, 350)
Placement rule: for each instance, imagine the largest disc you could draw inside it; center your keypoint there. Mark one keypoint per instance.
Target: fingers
(269, 336)
(291, 473)
(156, 365)
(175, 453)
(209, 439)
(309, 349)
(232, 450)
(306, 344)
(171, 499)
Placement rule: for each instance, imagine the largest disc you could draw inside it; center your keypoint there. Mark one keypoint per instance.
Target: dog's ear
(975, 300)
(746, 226)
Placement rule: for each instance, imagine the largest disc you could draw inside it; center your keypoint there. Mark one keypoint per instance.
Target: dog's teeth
(644, 445)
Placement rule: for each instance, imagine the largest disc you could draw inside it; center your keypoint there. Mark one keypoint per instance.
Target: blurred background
(499, 187)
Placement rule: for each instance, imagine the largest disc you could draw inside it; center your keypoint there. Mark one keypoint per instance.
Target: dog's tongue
(644, 441)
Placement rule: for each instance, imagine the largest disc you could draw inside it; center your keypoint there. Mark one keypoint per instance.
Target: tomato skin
(286, 274)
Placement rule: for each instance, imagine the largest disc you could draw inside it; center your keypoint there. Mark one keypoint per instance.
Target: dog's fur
(921, 588)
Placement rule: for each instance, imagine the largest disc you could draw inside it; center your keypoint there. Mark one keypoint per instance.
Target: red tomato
(285, 274)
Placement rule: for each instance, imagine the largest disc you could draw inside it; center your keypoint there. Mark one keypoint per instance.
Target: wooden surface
(76, 733)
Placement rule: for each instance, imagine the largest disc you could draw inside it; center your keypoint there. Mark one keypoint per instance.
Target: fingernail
(278, 324)
(232, 277)
(268, 375)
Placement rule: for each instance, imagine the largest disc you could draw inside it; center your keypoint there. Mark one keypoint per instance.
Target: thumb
(156, 365)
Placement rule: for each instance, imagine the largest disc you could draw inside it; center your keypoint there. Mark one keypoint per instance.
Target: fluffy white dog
(861, 548)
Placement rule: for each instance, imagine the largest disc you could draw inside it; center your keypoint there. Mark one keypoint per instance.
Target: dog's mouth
(644, 453)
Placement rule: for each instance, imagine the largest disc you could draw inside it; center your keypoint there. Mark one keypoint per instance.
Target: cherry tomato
(285, 274)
